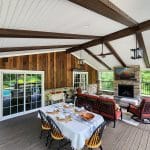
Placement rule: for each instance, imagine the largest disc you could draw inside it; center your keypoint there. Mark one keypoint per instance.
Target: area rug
(127, 118)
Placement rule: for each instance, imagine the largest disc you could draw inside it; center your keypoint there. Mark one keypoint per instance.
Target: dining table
(71, 123)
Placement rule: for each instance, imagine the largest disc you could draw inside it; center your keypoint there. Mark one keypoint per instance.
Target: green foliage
(145, 76)
(107, 76)
(107, 79)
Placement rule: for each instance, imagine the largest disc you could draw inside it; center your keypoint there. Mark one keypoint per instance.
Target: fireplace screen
(126, 90)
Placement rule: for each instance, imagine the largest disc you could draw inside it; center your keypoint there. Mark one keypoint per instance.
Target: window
(106, 80)
(80, 79)
(145, 82)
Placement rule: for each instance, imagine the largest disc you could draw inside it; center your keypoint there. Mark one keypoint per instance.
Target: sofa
(101, 105)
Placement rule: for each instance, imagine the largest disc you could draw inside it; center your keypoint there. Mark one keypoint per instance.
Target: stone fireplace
(128, 88)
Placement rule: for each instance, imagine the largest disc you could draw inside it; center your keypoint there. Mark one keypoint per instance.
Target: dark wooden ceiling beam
(11, 49)
(113, 36)
(107, 9)
(142, 46)
(85, 45)
(113, 51)
(97, 59)
(14, 33)
(127, 31)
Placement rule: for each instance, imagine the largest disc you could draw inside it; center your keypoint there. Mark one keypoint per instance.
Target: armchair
(140, 112)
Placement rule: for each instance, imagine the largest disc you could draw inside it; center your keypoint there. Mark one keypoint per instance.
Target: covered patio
(78, 67)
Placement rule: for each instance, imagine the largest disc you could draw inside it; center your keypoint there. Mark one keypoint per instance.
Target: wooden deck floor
(22, 133)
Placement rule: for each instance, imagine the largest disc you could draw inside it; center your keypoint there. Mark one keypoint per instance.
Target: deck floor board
(22, 133)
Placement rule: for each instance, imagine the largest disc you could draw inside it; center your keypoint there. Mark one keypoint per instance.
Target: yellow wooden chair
(55, 133)
(95, 139)
(45, 126)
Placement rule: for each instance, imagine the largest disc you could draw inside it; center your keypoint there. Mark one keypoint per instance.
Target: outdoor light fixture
(137, 52)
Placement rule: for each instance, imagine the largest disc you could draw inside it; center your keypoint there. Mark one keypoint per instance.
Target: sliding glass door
(21, 91)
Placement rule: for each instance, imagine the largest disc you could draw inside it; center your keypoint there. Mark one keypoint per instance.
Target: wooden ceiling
(100, 7)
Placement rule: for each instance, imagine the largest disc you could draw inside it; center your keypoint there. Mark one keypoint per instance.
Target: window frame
(83, 84)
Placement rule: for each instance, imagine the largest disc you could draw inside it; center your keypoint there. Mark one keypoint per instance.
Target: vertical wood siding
(57, 66)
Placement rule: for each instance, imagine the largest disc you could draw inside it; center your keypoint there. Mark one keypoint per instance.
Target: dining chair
(56, 133)
(95, 140)
(45, 126)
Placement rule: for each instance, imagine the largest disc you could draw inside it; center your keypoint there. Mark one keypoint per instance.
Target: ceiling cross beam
(97, 59)
(113, 51)
(140, 40)
(25, 48)
(113, 36)
(14, 33)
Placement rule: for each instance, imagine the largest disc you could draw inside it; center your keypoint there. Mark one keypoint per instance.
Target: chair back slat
(43, 117)
(54, 128)
(97, 134)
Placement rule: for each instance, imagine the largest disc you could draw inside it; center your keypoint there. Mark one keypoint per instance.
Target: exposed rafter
(142, 46)
(10, 49)
(107, 9)
(113, 36)
(113, 51)
(96, 58)
(14, 33)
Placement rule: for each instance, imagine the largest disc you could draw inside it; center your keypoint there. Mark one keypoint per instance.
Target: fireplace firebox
(126, 90)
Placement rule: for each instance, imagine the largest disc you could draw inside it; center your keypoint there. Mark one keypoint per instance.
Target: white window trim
(80, 72)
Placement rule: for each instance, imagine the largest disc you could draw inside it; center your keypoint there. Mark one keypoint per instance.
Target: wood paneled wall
(57, 66)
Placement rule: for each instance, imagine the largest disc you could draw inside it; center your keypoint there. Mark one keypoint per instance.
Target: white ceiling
(137, 9)
(110, 60)
(89, 60)
(54, 16)
(123, 46)
(66, 17)
(20, 42)
(29, 52)
(146, 37)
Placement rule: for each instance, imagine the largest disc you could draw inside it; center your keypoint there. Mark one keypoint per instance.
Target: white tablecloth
(77, 130)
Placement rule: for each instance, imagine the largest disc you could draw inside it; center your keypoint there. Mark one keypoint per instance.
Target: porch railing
(145, 88)
(107, 85)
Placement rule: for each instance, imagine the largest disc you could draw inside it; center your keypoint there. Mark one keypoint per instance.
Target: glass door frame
(25, 72)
